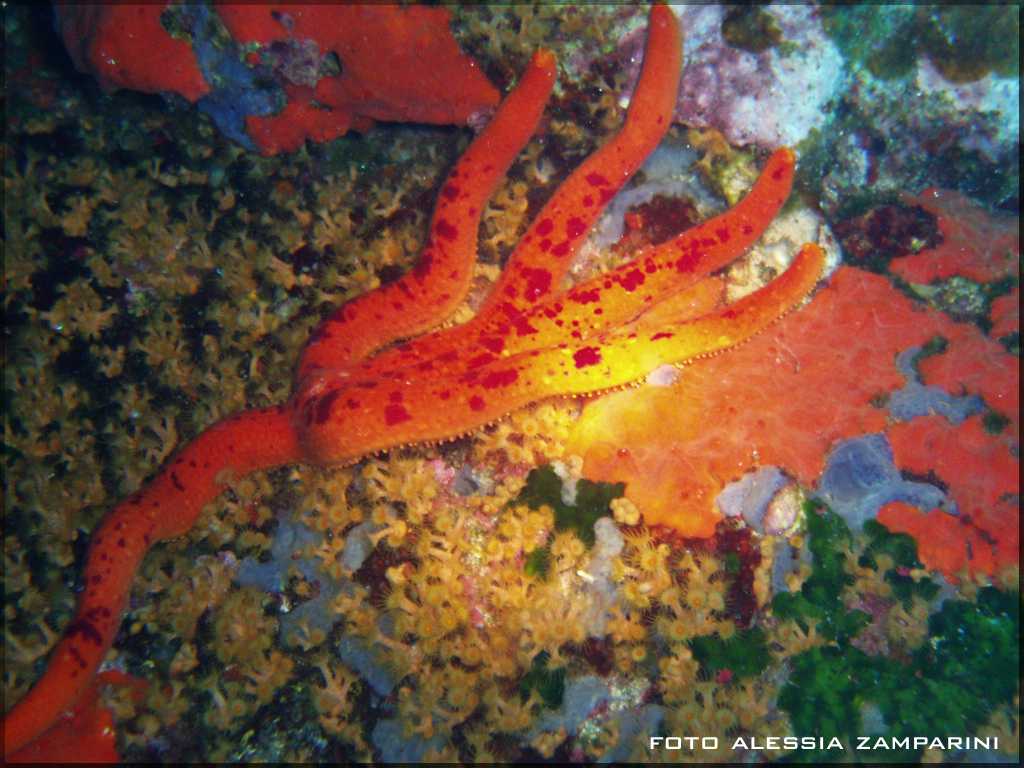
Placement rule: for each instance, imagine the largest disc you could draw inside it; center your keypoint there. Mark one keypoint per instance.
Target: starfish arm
(435, 286)
(688, 303)
(723, 328)
(544, 254)
(608, 299)
(629, 353)
(712, 244)
(358, 417)
(165, 508)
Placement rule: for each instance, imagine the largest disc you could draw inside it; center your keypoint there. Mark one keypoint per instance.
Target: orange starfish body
(529, 342)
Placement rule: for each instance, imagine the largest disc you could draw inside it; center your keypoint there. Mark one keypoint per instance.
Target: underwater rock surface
(530, 591)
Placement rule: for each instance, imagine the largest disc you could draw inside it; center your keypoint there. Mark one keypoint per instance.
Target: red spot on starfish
(445, 229)
(395, 413)
(633, 280)
(575, 227)
(585, 297)
(476, 362)
(538, 283)
(587, 356)
(499, 378)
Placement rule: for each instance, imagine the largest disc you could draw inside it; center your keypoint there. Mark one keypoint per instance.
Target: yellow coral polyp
(567, 550)
(393, 534)
(511, 527)
(908, 627)
(551, 421)
(626, 628)
(226, 708)
(763, 572)
(637, 594)
(508, 714)
(653, 559)
(264, 680)
(547, 742)
(304, 636)
(471, 654)
(638, 540)
(749, 702)
(451, 618)
(676, 630)
(242, 632)
(696, 599)
(716, 601)
(333, 698)
(398, 601)
(624, 511)
(184, 661)
(872, 581)
(538, 525)
(494, 549)
(725, 629)
(792, 639)
(1004, 725)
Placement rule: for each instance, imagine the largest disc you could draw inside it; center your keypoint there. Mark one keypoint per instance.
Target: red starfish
(527, 343)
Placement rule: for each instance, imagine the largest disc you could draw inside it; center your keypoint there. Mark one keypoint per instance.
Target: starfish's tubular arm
(426, 295)
(688, 303)
(676, 337)
(165, 508)
(714, 243)
(537, 265)
(609, 299)
(629, 353)
(353, 418)
(543, 256)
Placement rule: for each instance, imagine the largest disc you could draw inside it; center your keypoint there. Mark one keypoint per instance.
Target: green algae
(902, 549)
(751, 28)
(965, 300)
(967, 668)
(549, 683)
(1011, 343)
(965, 43)
(745, 654)
(961, 298)
(936, 345)
(964, 671)
(593, 500)
(538, 562)
(819, 600)
(973, 646)
(994, 422)
(878, 38)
